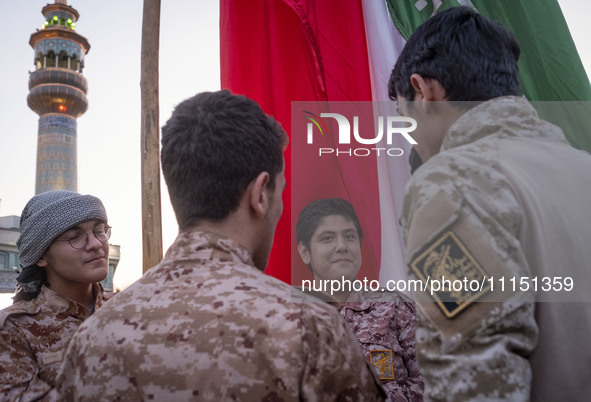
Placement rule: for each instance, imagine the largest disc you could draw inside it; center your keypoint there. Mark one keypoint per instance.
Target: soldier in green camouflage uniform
(500, 195)
(207, 323)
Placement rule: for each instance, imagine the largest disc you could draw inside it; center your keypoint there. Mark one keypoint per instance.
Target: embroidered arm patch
(381, 361)
(453, 277)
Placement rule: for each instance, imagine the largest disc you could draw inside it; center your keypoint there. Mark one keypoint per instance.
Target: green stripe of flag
(549, 65)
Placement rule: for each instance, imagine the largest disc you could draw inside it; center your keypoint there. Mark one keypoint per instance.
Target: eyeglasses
(78, 238)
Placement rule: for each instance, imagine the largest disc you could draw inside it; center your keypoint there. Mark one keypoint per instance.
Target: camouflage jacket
(490, 208)
(386, 332)
(32, 337)
(206, 324)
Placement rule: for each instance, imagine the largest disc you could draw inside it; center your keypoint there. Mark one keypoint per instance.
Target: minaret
(58, 95)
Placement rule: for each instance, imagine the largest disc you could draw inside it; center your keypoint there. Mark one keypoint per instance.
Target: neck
(443, 116)
(236, 227)
(220, 228)
(80, 293)
(341, 297)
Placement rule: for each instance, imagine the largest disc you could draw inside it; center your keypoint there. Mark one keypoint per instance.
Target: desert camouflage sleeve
(471, 345)
(336, 369)
(406, 323)
(19, 380)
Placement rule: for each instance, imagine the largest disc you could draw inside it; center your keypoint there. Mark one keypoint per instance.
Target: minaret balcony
(58, 75)
(56, 31)
(57, 98)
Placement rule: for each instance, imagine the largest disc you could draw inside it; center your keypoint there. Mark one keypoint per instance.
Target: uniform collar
(357, 301)
(197, 243)
(49, 299)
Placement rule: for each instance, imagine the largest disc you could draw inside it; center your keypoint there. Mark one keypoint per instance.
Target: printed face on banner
(337, 148)
(335, 249)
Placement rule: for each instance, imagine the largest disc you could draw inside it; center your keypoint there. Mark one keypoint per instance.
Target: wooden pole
(150, 137)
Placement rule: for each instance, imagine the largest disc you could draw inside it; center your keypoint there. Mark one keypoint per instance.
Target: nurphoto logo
(388, 125)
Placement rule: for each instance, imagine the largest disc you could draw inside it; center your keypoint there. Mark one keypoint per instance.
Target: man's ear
(42, 262)
(304, 253)
(427, 89)
(259, 197)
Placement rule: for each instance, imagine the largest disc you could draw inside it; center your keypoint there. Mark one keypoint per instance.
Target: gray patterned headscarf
(44, 218)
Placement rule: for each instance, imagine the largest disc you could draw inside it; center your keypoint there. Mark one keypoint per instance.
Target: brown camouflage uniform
(32, 336)
(206, 324)
(490, 204)
(386, 332)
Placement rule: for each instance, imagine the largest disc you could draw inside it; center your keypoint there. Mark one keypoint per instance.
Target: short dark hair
(313, 212)
(213, 146)
(472, 57)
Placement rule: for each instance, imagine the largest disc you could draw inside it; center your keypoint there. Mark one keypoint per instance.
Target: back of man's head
(313, 213)
(213, 146)
(472, 57)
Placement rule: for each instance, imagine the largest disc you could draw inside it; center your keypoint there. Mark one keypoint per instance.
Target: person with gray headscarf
(64, 254)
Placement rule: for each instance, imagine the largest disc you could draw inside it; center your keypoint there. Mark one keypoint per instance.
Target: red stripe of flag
(278, 51)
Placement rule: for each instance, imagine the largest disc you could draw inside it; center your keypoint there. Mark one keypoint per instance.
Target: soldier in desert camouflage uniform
(495, 198)
(206, 323)
(64, 253)
(329, 241)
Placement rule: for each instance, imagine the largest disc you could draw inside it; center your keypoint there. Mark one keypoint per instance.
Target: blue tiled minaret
(58, 95)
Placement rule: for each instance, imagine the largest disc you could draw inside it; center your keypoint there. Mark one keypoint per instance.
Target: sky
(109, 163)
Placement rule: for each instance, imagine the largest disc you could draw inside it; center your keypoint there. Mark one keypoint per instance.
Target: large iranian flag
(279, 51)
(549, 65)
